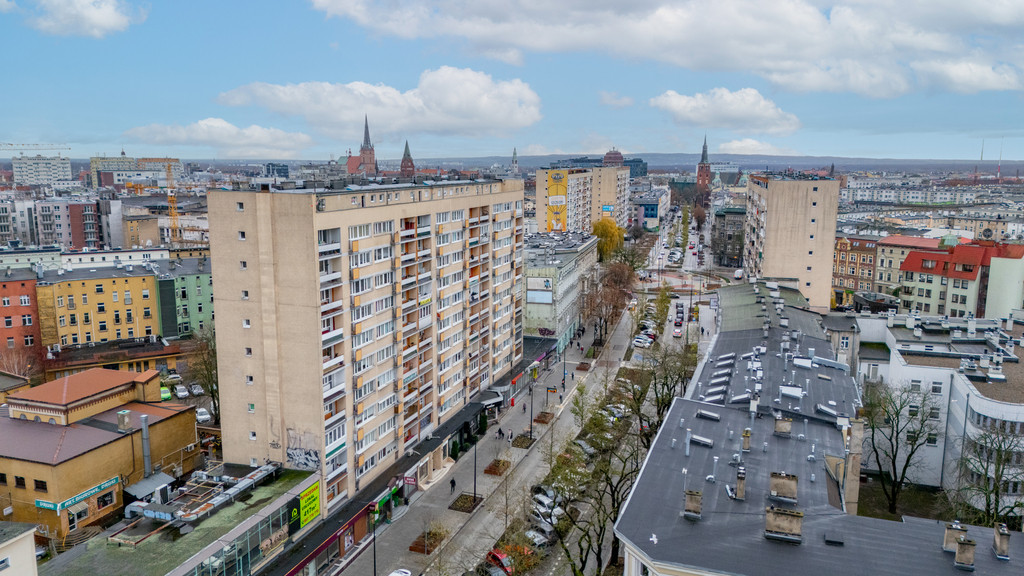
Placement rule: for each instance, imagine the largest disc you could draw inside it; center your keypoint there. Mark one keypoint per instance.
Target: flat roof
(166, 550)
(11, 530)
(54, 444)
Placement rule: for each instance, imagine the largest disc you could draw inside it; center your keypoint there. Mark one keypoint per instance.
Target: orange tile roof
(70, 389)
(911, 242)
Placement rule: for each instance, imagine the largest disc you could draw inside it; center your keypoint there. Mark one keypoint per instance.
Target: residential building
(73, 447)
(727, 235)
(610, 194)
(957, 282)
(172, 165)
(275, 170)
(18, 548)
(791, 230)
(565, 200)
(892, 251)
(559, 271)
(141, 231)
(41, 170)
(186, 297)
(112, 163)
(997, 227)
(11, 383)
(853, 266)
(381, 309)
(19, 314)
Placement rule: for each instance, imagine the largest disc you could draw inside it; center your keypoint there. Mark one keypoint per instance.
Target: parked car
(400, 572)
(501, 560)
(588, 450)
(180, 391)
(172, 375)
(547, 491)
(546, 529)
(537, 540)
(165, 393)
(203, 416)
(196, 389)
(617, 410)
(641, 343)
(678, 332)
(485, 569)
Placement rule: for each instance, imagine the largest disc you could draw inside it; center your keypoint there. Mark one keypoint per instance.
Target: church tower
(408, 169)
(367, 158)
(704, 177)
(515, 162)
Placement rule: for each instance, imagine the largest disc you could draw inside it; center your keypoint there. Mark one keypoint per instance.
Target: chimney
(909, 323)
(746, 440)
(890, 321)
(124, 421)
(691, 509)
(851, 485)
(782, 487)
(952, 533)
(146, 460)
(741, 483)
(972, 327)
(784, 427)
(782, 524)
(964, 559)
(1001, 542)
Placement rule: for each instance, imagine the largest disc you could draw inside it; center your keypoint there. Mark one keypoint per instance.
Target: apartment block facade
(41, 170)
(791, 230)
(564, 200)
(354, 322)
(610, 194)
(853, 266)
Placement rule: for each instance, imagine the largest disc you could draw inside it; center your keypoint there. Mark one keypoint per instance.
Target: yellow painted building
(97, 305)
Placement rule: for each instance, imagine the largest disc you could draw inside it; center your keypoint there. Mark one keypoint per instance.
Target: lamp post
(531, 407)
(374, 539)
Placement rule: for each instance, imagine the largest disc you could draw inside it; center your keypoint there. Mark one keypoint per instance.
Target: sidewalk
(472, 535)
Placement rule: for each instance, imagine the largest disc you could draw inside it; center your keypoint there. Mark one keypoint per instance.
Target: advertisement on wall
(304, 509)
(556, 200)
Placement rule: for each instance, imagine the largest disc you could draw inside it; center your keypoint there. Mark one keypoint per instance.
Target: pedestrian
(559, 398)
(573, 376)
(524, 408)
(453, 486)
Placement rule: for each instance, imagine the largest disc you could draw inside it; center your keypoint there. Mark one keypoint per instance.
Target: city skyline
(194, 80)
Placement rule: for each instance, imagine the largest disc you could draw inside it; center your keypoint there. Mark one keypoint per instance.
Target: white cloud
(540, 150)
(613, 100)
(745, 109)
(870, 47)
(969, 76)
(95, 18)
(751, 146)
(7, 6)
(226, 138)
(447, 101)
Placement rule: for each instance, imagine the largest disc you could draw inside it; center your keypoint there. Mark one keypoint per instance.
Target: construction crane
(23, 147)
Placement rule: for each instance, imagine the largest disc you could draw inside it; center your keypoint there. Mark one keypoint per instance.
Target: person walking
(559, 398)
(509, 437)
(524, 408)
(453, 486)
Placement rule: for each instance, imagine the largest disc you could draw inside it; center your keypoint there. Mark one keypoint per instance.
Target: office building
(41, 170)
(275, 170)
(173, 165)
(790, 232)
(354, 324)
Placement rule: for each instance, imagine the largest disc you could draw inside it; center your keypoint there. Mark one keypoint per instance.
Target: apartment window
(245, 294)
(936, 387)
(932, 439)
(103, 326)
(242, 265)
(85, 318)
(99, 288)
(19, 481)
(252, 434)
(248, 351)
(252, 408)
(8, 321)
(3, 479)
(25, 301)
(10, 342)
(813, 220)
(7, 301)
(240, 206)
(913, 409)
(113, 296)
(246, 323)
(101, 307)
(241, 234)
(29, 340)
(40, 485)
(145, 295)
(146, 313)
(248, 380)
(934, 413)
(915, 385)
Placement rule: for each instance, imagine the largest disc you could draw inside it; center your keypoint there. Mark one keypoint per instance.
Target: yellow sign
(557, 216)
(309, 504)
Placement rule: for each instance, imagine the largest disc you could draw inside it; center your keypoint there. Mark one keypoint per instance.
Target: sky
(461, 78)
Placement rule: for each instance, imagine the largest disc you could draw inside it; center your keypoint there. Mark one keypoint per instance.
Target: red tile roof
(947, 263)
(76, 387)
(911, 242)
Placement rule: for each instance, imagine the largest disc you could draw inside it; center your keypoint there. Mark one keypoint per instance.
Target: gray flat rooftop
(164, 551)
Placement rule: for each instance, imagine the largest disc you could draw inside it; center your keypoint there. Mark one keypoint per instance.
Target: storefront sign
(410, 480)
(78, 498)
(304, 508)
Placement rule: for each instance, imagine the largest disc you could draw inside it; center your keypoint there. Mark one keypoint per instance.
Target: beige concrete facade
(790, 232)
(351, 323)
(564, 200)
(610, 194)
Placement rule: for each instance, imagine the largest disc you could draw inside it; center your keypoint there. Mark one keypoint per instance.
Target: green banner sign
(78, 498)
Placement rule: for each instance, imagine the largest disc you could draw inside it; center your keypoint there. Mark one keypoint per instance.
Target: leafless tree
(900, 419)
(991, 470)
(633, 256)
(202, 365)
(21, 362)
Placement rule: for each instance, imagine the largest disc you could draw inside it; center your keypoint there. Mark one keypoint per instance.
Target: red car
(501, 560)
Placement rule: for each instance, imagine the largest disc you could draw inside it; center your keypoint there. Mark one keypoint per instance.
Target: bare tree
(202, 366)
(619, 275)
(991, 470)
(900, 420)
(699, 216)
(633, 256)
(20, 362)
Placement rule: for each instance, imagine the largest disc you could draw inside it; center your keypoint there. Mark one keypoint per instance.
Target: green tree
(662, 304)
(633, 256)
(609, 238)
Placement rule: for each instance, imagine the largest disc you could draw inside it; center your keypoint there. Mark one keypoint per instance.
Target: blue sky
(201, 79)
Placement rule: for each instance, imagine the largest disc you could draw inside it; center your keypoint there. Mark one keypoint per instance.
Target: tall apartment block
(790, 232)
(610, 194)
(40, 170)
(353, 323)
(564, 200)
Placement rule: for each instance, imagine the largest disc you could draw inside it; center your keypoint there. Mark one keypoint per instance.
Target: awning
(76, 508)
(147, 486)
(489, 397)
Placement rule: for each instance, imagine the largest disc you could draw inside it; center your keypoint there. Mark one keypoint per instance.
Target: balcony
(408, 232)
(329, 305)
(423, 231)
(332, 337)
(424, 322)
(330, 362)
(329, 277)
(328, 247)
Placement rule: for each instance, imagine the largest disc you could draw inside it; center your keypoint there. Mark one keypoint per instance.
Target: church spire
(366, 133)
(704, 151)
(407, 169)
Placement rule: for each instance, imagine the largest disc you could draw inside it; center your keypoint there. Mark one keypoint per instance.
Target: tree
(202, 366)
(662, 304)
(632, 256)
(619, 275)
(990, 470)
(609, 238)
(699, 216)
(899, 423)
(20, 362)
(636, 231)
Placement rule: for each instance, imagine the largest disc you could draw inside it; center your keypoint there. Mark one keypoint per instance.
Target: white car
(641, 343)
(677, 333)
(180, 391)
(401, 572)
(203, 416)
